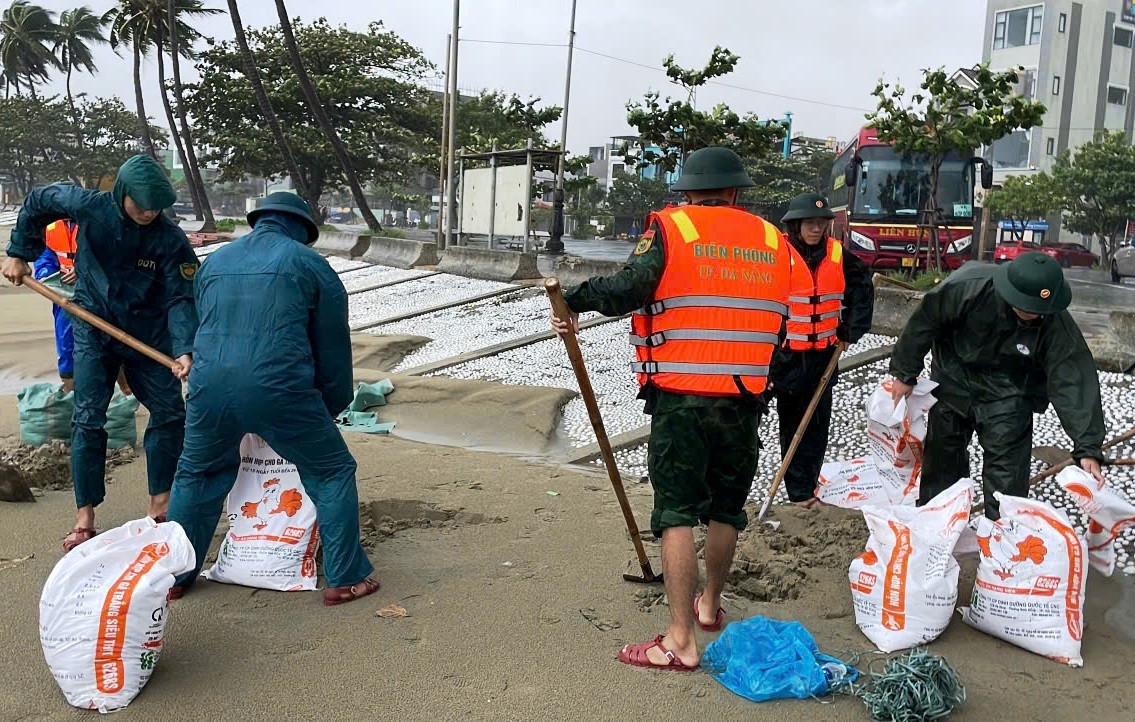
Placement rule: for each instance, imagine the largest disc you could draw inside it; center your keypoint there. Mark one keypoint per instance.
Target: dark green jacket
(984, 354)
(137, 278)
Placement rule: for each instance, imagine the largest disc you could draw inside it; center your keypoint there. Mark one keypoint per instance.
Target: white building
(1077, 58)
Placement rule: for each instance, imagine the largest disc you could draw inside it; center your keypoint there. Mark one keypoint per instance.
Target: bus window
(896, 187)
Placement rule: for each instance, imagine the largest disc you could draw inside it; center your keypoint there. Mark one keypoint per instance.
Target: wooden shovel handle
(112, 331)
(563, 313)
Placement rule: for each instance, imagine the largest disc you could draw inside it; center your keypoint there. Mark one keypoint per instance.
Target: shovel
(800, 431)
(113, 331)
(560, 308)
(1053, 455)
(1062, 465)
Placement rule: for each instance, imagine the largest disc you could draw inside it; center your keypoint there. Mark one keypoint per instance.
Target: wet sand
(517, 607)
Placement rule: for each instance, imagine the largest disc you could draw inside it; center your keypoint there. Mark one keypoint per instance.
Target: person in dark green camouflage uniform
(1004, 346)
(703, 450)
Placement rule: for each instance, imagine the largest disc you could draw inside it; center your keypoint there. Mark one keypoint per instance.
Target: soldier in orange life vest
(831, 306)
(60, 238)
(711, 284)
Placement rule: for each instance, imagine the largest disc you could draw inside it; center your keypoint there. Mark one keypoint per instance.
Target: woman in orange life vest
(58, 256)
(831, 306)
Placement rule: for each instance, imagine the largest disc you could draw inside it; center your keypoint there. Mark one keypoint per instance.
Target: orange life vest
(715, 318)
(60, 237)
(816, 303)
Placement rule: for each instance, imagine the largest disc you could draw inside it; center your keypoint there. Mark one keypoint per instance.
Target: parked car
(1071, 255)
(1009, 250)
(1066, 254)
(1123, 262)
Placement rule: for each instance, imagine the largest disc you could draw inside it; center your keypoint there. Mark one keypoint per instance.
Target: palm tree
(26, 30)
(316, 106)
(177, 30)
(128, 25)
(252, 72)
(77, 30)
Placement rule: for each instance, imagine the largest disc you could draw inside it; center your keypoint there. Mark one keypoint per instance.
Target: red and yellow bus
(877, 196)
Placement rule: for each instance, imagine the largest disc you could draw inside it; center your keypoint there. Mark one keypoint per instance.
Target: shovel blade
(652, 579)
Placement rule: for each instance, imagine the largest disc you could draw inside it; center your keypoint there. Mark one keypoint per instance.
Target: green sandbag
(55, 283)
(45, 415)
(367, 396)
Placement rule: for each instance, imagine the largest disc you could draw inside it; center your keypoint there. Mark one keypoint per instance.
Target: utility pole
(556, 232)
(441, 177)
(451, 195)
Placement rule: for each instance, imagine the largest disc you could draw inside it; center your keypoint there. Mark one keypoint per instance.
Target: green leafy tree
(26, 34)
(585, 205)
(43, 140)
(942, 117)
(506, 120)
(671, 129)
(1024, 197)
(778, 180)
(77, 31)
(1096, 186)
(371, 85)
(631, 198)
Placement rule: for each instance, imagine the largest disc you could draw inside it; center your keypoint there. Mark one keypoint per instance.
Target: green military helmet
(710, 169)
(808, 205)
(1033, 283)
(292, 204)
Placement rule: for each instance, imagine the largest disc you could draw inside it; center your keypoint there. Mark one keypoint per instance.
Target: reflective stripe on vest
(816, 303)
(751, 304)
(716, 316)
(60, 237)
(703, 334)
(655, 367)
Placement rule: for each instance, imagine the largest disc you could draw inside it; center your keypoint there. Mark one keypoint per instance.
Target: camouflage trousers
(701, 461)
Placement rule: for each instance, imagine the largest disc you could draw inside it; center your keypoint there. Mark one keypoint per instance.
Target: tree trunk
(316, 107)
(173, 133)
(70, 98)
(195, 179)
(932, 206)
(252, 72)
(147, 141)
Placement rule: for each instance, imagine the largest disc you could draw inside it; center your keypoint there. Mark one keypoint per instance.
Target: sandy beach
(515, 598)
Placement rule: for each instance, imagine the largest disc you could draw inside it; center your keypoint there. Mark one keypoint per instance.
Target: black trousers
(804, 472)
(1004, 430)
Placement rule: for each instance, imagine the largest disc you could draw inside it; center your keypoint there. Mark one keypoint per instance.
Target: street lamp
(556, 232)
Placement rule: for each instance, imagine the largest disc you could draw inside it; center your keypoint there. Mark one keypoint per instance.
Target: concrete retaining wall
(347, 245)
(400, 253)
(492, 265)
(572, 271)
(893, 308)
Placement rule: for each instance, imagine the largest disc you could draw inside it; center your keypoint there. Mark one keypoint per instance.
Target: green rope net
(914, 687)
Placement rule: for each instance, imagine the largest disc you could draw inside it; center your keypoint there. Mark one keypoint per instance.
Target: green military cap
(713, 168)
(1033, 283)
(808, 205)
(290, 203)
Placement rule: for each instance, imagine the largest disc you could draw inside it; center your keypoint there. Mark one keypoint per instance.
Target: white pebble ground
(369, 276)
(417, 295)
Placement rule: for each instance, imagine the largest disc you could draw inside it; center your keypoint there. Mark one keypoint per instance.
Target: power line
(660, 69)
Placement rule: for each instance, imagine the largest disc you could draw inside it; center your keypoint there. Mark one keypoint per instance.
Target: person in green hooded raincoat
(1004, 347)
(135, 270)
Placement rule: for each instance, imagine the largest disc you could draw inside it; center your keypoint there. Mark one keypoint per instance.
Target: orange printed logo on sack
(287, 502)
(109, 672)
(894, 583)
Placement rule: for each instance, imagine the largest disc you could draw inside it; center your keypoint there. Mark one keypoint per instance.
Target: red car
(1066, 254)
(1071, 254)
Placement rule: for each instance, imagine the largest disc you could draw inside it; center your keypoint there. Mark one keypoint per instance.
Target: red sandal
(341, 595)
(717, 621)
(636, 656)
(81, 534)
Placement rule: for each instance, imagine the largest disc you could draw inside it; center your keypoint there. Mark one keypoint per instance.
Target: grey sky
(823, 50)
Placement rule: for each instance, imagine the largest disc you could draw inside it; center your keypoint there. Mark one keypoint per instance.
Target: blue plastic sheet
(763, 659)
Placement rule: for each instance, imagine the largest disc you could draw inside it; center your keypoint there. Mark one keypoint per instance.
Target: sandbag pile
(45, 415)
